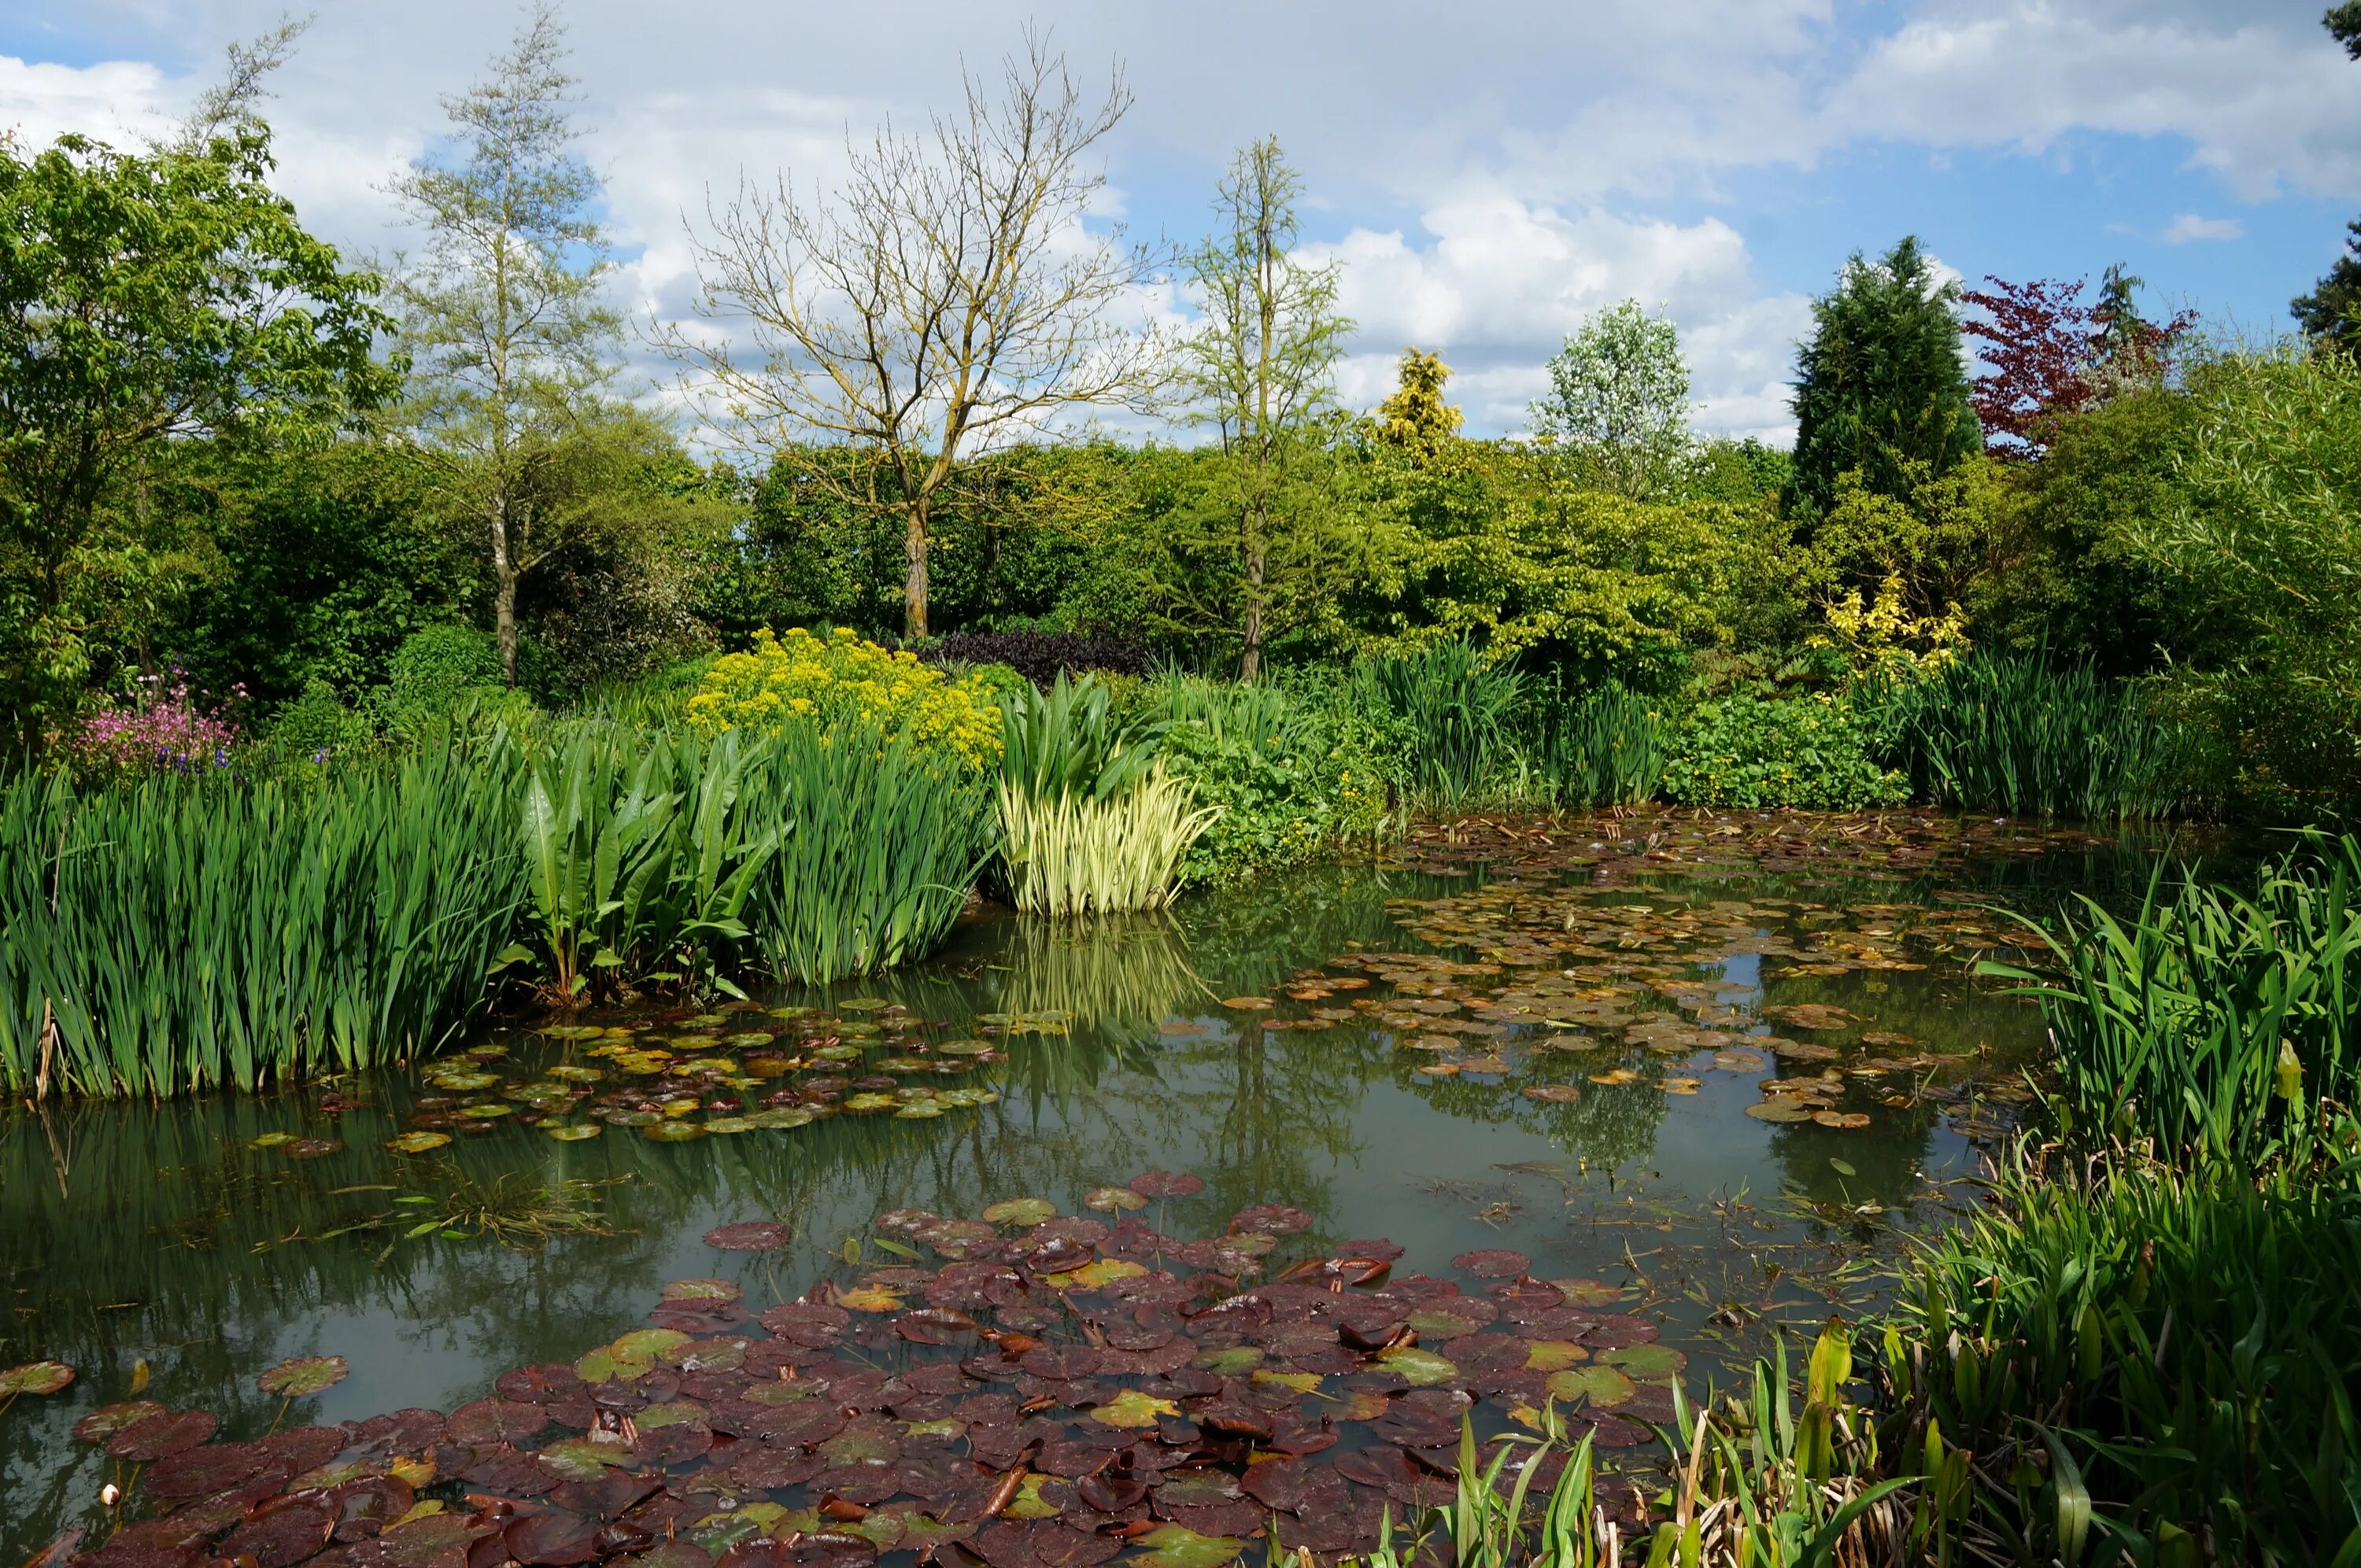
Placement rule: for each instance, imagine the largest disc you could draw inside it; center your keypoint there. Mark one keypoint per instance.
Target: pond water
(1549, 1038)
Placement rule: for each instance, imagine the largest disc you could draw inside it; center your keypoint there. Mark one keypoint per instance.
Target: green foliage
(1883, 381)
(1072, 853)
(1600, 746)
(1997, 732)
(1618, 400)
(1748, 750)
(1071, 741)
(168, 937)
(442, 674)
(1454, 708)
(887, 840)
(318, 722)
(641, 850)
(1291, 778)
(145, 297)
(2215, 1026)
(1938, 536)
(2159, 1358)
(1418, 417)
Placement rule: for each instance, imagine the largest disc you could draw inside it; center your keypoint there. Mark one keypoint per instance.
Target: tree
(143, 299)
(1417, 418)
(950, 297)
(1618, 400)
(2048, 357)
(1262, 368)
(505, 314)
(1883, 383)
(2331, 311)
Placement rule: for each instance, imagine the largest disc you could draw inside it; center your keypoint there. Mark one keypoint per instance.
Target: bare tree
(948, 297)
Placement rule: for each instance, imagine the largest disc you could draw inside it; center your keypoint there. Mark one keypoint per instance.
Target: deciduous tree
(1618, 400)
(505, 313)
(950, 297)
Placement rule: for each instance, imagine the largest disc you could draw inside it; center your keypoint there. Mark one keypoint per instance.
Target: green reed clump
(1091, 822)
(171, 936)
(1454, 708)
(2148, 1365)
(884, 839)
(2007, 733)
(1601, 747)
(2213, 1025)
(641, 849)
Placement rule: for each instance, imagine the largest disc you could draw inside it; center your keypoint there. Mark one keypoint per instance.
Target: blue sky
(1486, 174)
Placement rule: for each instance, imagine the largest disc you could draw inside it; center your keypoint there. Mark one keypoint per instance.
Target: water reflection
(133, 1232)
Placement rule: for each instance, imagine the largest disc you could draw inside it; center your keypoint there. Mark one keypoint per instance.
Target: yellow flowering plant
(841, 679)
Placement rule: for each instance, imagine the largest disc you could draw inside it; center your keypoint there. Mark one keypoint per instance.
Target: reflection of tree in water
(1611, 1125)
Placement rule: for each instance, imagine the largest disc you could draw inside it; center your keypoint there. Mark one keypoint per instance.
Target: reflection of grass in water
(1111, 983)
(517, 1210)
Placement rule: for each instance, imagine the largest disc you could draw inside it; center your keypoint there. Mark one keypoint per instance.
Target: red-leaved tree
(2047, 355)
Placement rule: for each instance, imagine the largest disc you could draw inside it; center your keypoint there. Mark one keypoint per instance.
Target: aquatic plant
(885, 843)
(2003, 732)
(168, 937)
(639, 866)
(2210, 1024)
(1091, 822)
(1601, 747)
(1453, 707)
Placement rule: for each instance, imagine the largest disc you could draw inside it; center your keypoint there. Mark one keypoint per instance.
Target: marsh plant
(1455, 707)
(1092, 822)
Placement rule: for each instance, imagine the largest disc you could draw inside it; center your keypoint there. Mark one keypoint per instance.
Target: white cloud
(1501, 283)
(116, 100)
(2190, 227)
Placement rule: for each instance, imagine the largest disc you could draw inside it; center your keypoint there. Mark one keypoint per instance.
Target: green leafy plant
(1454, 708)
(1750, 750)
(1601, 747)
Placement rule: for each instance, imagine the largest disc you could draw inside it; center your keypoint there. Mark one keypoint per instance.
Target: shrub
(318, 722)
(1040, 657)
(1290, 780)
(1749, 751)
(839, 682)
(443, 677)
(165, 729)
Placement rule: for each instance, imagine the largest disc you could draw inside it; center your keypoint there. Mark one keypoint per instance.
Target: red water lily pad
(107, 1419)
(1493, 1263)
(749, 1236)
(35, 1377)
(1166, 1184)
(498, 1420)
(553, 1540)
(1271, 1220)
(280, 1540)
(146, 1441)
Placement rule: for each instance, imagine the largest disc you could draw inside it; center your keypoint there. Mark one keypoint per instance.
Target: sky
(1486, 173)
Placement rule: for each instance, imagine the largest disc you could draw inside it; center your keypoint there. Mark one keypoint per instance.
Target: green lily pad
(1600, 1385)
(1025, 1211)
(919, 1111)
(782, 1117)
(964, 1048)
(726, 1124)
(463, 1083)
(1552, 1355)
(1419, 1368)
(672, 1413)
(1235, 1362)
(1109, 1200)
(1177, 1546)
(491, 1111)
(35, 1377)
(863, 1005)
(571, 1132)
(580, 1459)
(417, 1142)
(666, 1132)
(271, 1140)
(1652, 1362)
(1132, 1408)
(304, 1376)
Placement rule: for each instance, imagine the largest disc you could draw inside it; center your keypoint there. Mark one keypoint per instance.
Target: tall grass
(2148, 1366)
(1997, 732)
(885, 841)
(168, 937)
(2213, 1026)
(1091, 822)
(1602, 747)
(1455, 709)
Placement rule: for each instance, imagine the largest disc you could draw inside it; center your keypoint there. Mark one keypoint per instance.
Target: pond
(1705, 1077)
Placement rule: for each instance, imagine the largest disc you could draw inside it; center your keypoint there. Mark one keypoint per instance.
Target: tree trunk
(504, 591)
(914, 582)
(1250, 661)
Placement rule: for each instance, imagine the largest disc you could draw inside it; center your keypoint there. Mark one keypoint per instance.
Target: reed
(2003, 733)
(1454, 708)
(884, 839)
(1602, 747)
(169, 937)
(2212, 1025)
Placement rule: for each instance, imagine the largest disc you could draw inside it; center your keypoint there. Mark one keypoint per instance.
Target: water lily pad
(670, 1131)
(1555, 1093)
(1167, 1184)
(1021, 1212)
(869, 1298)
(1132, 1408)
(1851, 1121)
(1678, 1085)
(571, 1132)
(963, 1048)
(1113, 1199)
(463, 1083)
(702, 1291)
(303, 1376)
(1654, 1362)
(491, 1111)
(919, 1111)
(271, 1140)
(1552, 1355)
(157, 1436)
(417, 1142)
(1419, 1368)
(749, 1235)
(1176, 1546)
(582, 1458)
(1272, 1220)
(1103, 1273)
(1590, 1292)
(1599, 1386)
(1247, 1003)
(1493, 1263)
(107, 1419)
(1780, 1110)
(1235, 1362)
(35, 1377)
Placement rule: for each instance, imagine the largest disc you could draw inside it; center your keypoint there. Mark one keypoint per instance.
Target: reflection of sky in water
(180, 1244)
